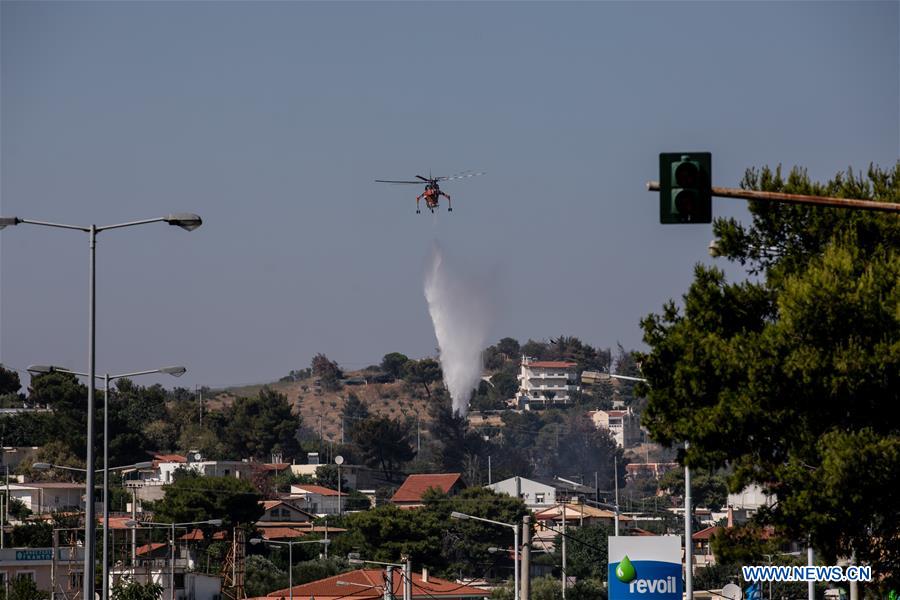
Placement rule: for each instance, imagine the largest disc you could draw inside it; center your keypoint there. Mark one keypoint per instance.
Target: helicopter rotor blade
(392, 181)
(463, 175)
(429, 180)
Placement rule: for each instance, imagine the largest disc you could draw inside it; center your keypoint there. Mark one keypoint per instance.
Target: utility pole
(688, 542)
(407, 578)
(389, 583)
(810, 560)
(525, 586)
(616, 480)
(563, 548)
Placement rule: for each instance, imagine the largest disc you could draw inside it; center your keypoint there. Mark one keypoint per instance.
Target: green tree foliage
(194, 497)
(32, 535)
(23, 588)
(126, 589)
(257, 427)
(263, 576)
(68, 398)
(586, 551)
(709, 490)
(788, 377)
(423, 372)
(393, 363)
(327, 371)
(383, 443)
(446, 546)
(18, 510)
(9, 381)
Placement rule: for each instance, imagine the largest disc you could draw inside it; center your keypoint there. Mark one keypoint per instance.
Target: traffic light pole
(721, 192)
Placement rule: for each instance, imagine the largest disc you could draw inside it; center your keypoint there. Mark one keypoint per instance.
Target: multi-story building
(546, 382)
(623, 425)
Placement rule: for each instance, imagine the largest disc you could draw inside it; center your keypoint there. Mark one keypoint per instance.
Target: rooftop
(369, 584)
(416, 485)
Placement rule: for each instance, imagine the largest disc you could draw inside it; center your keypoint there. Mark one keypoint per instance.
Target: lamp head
(173, 371)
(458, 515)
(6, 221)
(142, 465)
(216, 522)
(41, 369)
(41, 466)
(187, 221)
(255, 541)
(131, 523)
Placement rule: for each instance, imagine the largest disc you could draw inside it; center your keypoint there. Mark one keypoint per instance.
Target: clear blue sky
(271, 120)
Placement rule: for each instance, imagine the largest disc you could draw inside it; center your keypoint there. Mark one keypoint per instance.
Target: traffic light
(685, 187)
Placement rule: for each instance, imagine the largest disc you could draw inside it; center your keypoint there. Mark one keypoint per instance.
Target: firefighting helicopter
(433, 192)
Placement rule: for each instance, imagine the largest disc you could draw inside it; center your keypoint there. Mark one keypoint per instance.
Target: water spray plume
(460, 313)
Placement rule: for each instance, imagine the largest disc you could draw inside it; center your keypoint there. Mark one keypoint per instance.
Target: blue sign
(35, 554)
(645, 568)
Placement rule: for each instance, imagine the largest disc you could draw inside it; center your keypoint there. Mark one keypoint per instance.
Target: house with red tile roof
(368, 584)
(409, 495)
(282, 512)
(544, 383)
(316, 499)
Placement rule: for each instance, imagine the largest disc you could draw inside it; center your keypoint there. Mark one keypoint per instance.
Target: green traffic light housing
(685, 187)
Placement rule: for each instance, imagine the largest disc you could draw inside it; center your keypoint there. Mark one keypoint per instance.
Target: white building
(546, 382)
(48, 496)
(623, 425)
(536, 495)
(751, 498)
(316, 499)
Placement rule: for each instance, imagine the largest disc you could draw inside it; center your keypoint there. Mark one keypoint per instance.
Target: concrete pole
(563, 547)
(854, 586)
(525, 585)
(810, 560)
(688, 542)
(389, 583)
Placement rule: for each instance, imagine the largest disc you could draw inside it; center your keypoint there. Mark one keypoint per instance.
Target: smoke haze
(461, 313)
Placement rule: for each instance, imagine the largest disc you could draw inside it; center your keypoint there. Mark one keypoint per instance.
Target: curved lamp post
(290, 546)
(43, 369)
(186, 221)
(515, 528)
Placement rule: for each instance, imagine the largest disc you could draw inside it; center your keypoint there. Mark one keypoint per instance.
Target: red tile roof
(551, 364)
(281, 533)
(416, 485)
(317, 489)
(193, 536)
(705, 534)
(149, 548)
(369, 583)
(172, 458)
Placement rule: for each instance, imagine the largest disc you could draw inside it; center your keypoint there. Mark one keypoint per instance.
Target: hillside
(321, 410)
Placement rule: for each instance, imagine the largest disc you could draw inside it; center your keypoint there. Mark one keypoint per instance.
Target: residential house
(623, 425)
(316, 499)
(545, 383)
(535, 494)
(751, 498)
(48, 496)
(701, 547)
(409, 495)
(369, 584)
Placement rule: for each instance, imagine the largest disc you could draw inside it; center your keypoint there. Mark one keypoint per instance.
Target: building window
(25, 575)
(539, 498)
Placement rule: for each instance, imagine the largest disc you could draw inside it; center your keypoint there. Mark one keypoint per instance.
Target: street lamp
(515, 528)
(174, 372)
(186, 221)
(133, 524)
(290, 546)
